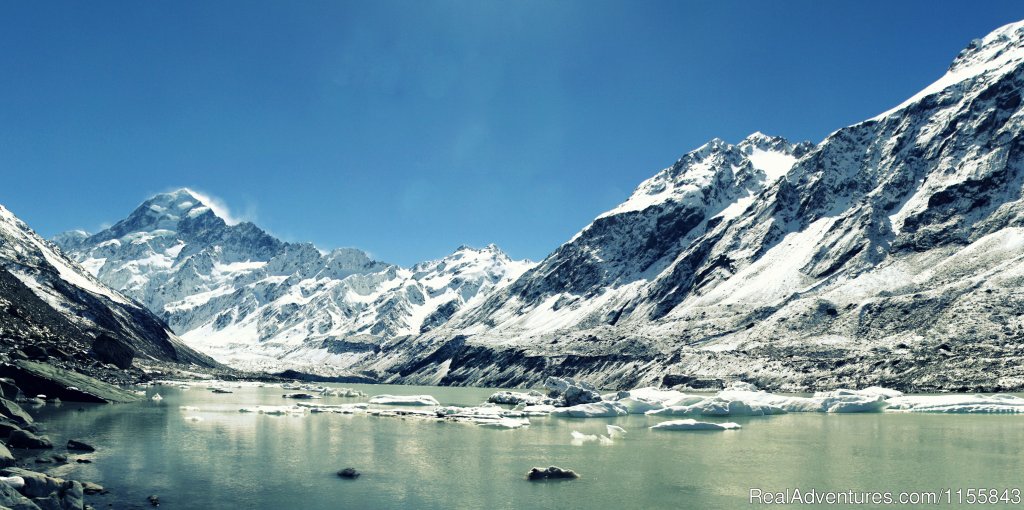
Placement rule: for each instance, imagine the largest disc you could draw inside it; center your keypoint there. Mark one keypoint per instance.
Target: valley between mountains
(887, 254)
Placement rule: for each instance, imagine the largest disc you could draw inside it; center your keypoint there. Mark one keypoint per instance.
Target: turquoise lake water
(241, 460)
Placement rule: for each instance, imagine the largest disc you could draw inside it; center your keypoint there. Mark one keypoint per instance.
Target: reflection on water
(241, 460)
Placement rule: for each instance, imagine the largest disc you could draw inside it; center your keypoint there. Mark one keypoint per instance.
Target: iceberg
(505, 423)
(578, 438)
(960, 404)
(692, 424)
(404, 400)
(603, 409)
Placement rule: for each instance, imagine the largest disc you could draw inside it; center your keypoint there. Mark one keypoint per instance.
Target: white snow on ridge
(998, 53)
(773, 164)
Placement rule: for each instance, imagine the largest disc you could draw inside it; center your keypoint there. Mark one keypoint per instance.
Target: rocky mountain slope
(52, 310)
(255, 302)
(890, 253)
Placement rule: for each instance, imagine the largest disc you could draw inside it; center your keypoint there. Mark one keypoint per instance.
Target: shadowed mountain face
(889, 253)
(52, 309)
(256, 302)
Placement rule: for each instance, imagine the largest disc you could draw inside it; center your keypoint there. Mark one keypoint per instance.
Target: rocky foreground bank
(26, 453)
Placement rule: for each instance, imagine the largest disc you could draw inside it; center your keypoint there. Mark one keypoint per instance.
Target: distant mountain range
(889, 253)
(256, 302)
(52, 309)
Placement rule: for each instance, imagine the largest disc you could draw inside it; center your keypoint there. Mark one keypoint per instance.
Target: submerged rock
(80, 446)
(551, 473)
(349, 473)
(93, 488)
(301, 396)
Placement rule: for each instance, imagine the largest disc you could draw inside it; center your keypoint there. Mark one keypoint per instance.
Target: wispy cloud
(220, 207)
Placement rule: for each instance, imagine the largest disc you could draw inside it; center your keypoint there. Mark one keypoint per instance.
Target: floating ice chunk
(538, 410)
(335, 408)
(592, 410)
(962, 404)
(505, 423)
(719, 406)
(578, 438)
(405, 400)
(615, 431)
(274, 410)
(157, 397)
(343, 392)
(692, 424)
(188, 408)
(643, 400)
(516, 398)
(860, 405)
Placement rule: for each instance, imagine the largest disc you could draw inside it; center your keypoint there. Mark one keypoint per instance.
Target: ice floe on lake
(691, 424)
(603, 409)
(579, 438)
(961, 404)
(404, 400)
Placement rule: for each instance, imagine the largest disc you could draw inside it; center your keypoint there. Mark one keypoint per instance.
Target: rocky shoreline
(27, 455)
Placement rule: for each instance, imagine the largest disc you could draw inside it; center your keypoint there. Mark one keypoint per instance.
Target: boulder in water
(551, 473)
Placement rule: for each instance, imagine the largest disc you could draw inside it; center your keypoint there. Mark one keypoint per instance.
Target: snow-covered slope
(890, 253)
(253, 301)
(53, 307)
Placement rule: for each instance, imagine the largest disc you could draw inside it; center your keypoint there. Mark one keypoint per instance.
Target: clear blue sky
(407, 128)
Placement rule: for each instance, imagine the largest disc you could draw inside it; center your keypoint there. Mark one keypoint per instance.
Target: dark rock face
(6, 458)
(15, 413)
(67, 385)
(111, 350)
(77, 309)
(26, 439)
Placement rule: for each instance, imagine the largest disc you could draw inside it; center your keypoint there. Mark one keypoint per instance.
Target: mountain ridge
(888, 254)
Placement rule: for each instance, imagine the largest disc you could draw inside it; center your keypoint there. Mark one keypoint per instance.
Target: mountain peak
(983, 60)
(1004, 45)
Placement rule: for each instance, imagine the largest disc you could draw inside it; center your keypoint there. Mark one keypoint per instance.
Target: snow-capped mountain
(890, 253)
(253, 301)
(52, 308)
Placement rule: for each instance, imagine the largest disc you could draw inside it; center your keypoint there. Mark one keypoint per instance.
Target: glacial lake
(242, 460)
